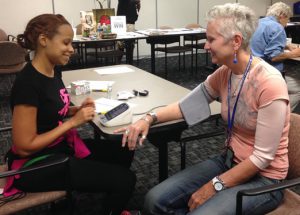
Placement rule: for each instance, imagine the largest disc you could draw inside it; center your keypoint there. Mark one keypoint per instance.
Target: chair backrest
(79, 29)
(166, 39)
(12, 57)
(294, 147)
(3, 35)
(194, 37)
(193, 26)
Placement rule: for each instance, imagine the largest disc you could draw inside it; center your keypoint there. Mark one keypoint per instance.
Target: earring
(235, 59)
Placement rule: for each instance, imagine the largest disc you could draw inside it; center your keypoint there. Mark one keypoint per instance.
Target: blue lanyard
(231, 119)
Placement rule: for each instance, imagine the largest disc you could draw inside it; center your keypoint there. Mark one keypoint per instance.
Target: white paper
(175, 31)
(118, 24)
(114, 70)
(100, 85)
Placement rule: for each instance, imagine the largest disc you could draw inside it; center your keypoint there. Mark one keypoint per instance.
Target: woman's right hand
(82, 116)
(136, 132)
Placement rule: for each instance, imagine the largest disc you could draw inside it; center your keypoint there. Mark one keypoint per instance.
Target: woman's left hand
(136, 132)
(201, 196)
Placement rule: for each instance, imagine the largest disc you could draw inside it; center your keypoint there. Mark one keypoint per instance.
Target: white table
(161, 92)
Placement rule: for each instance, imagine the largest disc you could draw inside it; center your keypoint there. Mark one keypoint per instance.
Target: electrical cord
(136, 114)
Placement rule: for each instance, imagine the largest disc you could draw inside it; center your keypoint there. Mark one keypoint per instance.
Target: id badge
(229, 158)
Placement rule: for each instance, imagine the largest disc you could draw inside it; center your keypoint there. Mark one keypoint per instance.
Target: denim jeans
(172, 195)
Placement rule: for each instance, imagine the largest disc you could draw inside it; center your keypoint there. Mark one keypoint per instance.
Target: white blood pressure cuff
(195, 107)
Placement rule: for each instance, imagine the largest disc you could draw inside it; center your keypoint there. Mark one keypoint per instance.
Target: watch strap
(153, 116)
(216, 180)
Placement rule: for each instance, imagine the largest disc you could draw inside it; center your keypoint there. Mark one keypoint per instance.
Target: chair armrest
(55, 162)
(263, 190)
(11, 38)
(5, 129)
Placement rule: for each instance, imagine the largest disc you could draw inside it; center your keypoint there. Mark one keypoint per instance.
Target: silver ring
(143, 136)
(127, 131)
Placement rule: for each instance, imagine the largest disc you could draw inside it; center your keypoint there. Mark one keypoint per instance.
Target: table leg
(129, 44)
(152, 58)
(161, 139)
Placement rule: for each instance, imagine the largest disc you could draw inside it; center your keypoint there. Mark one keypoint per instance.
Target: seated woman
(269, 40)
(255, 105)
(44, 125)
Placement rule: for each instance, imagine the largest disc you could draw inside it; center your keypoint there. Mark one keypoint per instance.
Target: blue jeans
(172, 195)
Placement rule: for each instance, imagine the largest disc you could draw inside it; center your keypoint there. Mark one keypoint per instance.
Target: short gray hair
(235, 18)
(279, 9)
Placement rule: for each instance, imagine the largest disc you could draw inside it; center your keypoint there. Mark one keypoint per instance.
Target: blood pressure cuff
(195, 106)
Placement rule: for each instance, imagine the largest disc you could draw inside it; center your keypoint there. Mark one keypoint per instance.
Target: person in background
(44, 125)
(255, 106)
(130, 9)
(269, 40)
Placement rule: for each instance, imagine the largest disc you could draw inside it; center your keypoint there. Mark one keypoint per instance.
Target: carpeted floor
(145, 164)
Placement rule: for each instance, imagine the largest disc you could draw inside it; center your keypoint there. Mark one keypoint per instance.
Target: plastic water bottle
(99, 31)
(104, 27)
(109, 90)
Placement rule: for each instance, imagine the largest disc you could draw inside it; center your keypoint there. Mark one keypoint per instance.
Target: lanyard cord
(231, 118)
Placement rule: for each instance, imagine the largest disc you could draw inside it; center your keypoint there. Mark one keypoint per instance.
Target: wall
(14, 14)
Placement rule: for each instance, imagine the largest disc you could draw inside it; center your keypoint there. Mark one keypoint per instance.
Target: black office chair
(196, 42)
(165, 41)
(99, 50)
(103, 51)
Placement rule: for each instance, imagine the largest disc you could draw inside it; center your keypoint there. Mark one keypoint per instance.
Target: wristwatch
(218, 184)
(153, 116)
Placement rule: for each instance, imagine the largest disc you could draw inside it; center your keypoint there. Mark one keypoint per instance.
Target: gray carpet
(145, 164)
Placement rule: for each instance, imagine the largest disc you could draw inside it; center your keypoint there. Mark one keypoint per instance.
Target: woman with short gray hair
(269, 40)
(235, 18)
(279, 9)
(255, 107)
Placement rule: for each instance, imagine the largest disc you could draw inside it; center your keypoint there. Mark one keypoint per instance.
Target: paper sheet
(100, 85)
(114, 70)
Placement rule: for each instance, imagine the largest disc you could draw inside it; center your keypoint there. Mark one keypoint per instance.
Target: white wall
(204, 6)
(260, 6)
(70, 9)
(14, 14)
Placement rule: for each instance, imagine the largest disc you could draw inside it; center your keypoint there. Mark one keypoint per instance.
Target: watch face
(218, 186)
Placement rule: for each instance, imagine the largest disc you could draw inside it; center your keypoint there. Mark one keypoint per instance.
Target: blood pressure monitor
(119, 115)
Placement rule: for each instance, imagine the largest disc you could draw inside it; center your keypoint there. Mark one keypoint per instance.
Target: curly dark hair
(42, 24)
